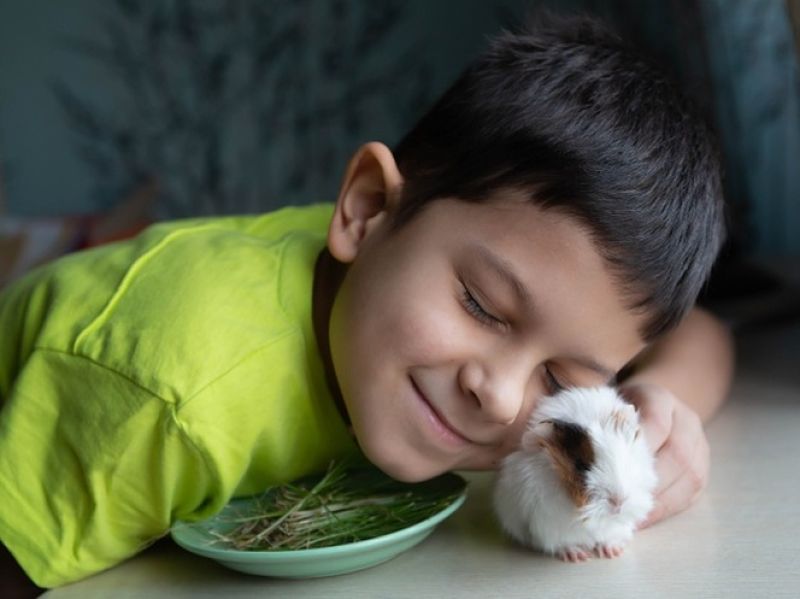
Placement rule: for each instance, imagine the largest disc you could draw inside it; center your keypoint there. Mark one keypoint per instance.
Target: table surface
(739, 540)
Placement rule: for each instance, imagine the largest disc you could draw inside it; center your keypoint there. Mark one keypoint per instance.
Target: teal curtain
(245, 105)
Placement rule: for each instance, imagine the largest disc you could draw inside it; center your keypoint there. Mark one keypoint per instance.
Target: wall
(754, 63)
(236, 106)
(245, 105)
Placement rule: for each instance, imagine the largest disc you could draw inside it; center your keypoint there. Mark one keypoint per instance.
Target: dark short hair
(584, 124)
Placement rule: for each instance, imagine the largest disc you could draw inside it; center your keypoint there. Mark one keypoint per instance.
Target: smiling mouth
(441, 425)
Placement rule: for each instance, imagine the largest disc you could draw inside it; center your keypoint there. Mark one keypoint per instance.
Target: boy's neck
(328, 275)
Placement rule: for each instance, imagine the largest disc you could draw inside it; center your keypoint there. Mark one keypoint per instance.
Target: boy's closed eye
(553, 384)
(475, 308)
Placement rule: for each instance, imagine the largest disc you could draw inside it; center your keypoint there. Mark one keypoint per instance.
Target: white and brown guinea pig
(582, 478)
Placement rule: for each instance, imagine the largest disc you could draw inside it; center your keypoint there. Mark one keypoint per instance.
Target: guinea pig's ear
(632, 411)
(536, 436)
(632, 417)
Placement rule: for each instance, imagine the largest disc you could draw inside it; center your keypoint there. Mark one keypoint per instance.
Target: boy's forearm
(695, 362)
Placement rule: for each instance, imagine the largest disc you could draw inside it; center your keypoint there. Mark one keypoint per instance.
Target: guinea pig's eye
(615, 502)
(574, 444)
(581, 465)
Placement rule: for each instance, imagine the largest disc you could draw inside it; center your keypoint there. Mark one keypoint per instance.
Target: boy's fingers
(680, 487)
(674, 499)
(675, 433)
(687, 449)
(683, 454)
(668, 470)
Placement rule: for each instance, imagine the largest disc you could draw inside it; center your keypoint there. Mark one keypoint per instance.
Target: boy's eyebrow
(503, 268)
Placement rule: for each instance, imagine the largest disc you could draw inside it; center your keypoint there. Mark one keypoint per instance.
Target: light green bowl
(303, 563)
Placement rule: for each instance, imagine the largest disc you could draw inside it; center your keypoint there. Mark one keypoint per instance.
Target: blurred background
(115, 113)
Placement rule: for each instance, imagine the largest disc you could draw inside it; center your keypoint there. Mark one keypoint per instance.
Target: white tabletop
(739, 540)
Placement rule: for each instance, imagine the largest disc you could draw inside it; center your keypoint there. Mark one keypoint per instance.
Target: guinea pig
(582, 478)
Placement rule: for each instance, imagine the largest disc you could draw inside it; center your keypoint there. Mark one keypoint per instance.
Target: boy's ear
(370, 190)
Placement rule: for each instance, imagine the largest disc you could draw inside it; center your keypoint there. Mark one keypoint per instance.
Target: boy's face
(445, 333)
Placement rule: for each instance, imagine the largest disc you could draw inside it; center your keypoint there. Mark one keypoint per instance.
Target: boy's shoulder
(185, 300)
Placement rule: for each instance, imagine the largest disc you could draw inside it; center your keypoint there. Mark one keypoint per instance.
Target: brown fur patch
(572, 454)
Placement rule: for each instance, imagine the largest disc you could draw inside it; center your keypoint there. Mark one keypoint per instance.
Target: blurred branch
(226, 103)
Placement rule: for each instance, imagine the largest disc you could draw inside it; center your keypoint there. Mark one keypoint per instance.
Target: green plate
(303, 563)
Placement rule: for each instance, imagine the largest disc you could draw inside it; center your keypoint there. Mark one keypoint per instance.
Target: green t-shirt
(152, 380)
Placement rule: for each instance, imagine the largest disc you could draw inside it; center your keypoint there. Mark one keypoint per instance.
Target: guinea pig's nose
(615, 503)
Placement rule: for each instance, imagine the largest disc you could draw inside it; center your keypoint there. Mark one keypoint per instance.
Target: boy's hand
(676, 434)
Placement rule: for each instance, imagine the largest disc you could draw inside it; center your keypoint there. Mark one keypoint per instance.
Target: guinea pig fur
(582, 478)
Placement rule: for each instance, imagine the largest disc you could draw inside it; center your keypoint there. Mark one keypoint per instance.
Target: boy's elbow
(719, 349)
(721, 336)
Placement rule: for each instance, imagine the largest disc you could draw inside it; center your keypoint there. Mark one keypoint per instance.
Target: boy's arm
(677, 384)
(694, 362)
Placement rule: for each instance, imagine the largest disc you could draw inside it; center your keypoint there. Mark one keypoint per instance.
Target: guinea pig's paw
(574, 554)
(608, 550)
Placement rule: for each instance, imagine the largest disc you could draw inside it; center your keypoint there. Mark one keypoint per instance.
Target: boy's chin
(407, 471)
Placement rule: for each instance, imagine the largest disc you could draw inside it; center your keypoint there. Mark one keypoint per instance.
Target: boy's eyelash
(552, 383)
(476, 310)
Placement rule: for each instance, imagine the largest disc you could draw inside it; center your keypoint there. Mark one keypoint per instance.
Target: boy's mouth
(443, 428)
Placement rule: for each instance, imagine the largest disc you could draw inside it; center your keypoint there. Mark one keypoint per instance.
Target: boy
(548, 223)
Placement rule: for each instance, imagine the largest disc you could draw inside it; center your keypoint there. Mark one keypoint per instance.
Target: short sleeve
(86, 485)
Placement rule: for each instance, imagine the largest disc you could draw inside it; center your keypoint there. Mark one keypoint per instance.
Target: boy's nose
(498, 393)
